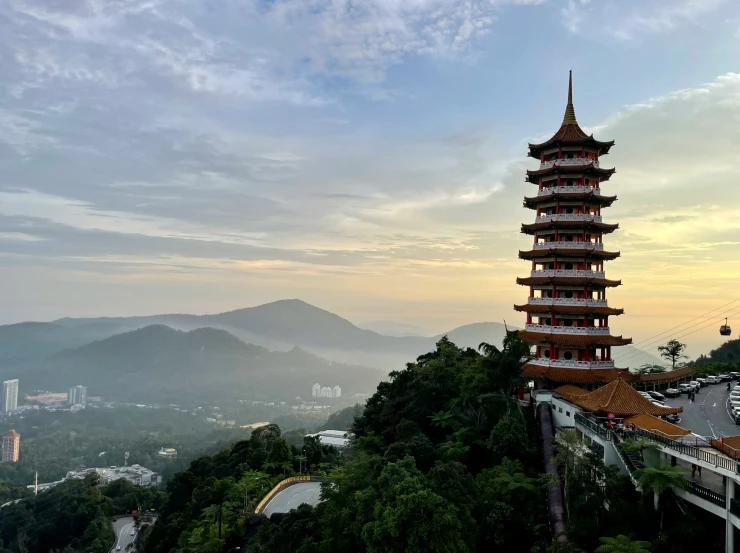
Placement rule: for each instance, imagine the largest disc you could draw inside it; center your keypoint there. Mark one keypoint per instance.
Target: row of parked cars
(695, 385)
(659, 399)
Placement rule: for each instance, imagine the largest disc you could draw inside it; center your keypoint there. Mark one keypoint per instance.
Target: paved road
(709, 414)
(292, 496)
(123, 527)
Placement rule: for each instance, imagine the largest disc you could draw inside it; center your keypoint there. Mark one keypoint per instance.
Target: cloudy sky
(365, 156)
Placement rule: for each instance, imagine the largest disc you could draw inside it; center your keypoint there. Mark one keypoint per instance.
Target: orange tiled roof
(12, 434)
(569, 391)
(620, 398)
(729, 445)
(666, 376)
(654, 424)
(569, 252)
(574, 281)
(579, 376)
(573, 340)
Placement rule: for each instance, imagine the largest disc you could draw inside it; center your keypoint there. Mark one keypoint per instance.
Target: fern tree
(658, 479)
(622, 544)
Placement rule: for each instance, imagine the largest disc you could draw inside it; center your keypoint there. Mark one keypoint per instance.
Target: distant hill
(277, 326)
(160, 364)
(391, 328)
(727, 352)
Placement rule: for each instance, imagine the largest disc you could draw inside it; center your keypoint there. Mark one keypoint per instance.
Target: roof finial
(570, 112)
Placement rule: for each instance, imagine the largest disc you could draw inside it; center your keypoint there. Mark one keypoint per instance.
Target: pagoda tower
(567, 310)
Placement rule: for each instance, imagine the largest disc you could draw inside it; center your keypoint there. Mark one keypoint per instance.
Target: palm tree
(659, 479)
(630, 444)
(504, 366)
(622, 544)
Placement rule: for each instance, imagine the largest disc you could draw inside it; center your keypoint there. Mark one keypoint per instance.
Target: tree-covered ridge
(208, 506)
(729, 352)
(443, 460)
(73, 517)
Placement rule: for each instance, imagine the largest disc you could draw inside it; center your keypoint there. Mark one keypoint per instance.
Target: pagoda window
(570, 156)
(568, 355)
(569, 266)
(546, 353)
(567, 322)
(569, 294)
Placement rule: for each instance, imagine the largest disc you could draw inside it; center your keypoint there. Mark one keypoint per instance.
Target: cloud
(627, 21)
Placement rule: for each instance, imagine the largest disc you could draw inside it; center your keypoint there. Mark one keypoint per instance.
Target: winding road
(709, 415)
(292, 496)
(123, 527)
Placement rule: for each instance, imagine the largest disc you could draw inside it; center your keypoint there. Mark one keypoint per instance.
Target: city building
(315, 390)
(567, 310)
(337, 438)
(11, 446)
(326, 391)
(337, 391)
(136, 474)
(10, 396)
(77, 395)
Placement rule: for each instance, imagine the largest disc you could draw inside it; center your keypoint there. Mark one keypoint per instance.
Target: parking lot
(709, 414)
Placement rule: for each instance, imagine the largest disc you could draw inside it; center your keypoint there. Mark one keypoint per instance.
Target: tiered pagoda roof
(618, 398)
(570, 133)
(654, 424)
(567, 312)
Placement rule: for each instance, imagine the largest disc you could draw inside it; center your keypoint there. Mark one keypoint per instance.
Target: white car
(695, 385)
(713, 379)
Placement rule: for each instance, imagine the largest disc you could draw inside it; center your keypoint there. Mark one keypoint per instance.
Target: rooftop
(618, 398)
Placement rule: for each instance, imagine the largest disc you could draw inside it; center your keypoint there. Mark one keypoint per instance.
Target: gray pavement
(709, 414)
(123, 528)
(292, 496)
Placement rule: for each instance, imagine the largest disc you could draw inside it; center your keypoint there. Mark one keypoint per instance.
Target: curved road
(292, 496)
(123, 528)
(709, 414)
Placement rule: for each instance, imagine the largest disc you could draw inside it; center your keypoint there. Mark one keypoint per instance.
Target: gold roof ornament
(570, 113)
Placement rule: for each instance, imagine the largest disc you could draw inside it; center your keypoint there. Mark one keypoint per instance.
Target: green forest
(443, 459)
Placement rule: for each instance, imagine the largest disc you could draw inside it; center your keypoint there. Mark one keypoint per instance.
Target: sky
(367, 157)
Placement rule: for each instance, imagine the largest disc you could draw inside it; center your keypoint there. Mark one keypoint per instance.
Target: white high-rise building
(326, 391)
(316, 390)
(337, 391)
(77, 395)
(10, 396)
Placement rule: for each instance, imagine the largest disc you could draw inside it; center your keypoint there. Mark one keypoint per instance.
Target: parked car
(725, 378)
(695, 384)
(672, 392)
(684, 388)
(713, 379)
(674, 418)
(734, 375)
(657, 395)
(702, 382)
(737, 418)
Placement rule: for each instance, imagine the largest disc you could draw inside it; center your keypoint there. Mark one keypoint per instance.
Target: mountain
(727, 352)
(276, 326)
(160, 364)
(391, 328)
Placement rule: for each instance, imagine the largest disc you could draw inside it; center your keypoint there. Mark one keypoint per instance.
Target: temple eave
(568, 281)
(572, 340)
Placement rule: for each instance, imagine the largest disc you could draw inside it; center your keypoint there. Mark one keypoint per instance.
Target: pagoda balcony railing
(568, 245)
(566, 162)
(571, 363)
(587, 330)
(568, 273)
(568, 301)
(568, 217)
(573, 189)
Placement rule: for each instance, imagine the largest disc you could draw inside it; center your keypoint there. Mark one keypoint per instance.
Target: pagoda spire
(570, 113)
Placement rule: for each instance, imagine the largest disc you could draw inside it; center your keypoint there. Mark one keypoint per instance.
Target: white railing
(568, 217)
(568, 245)
(571, 189)
(565, 162)
(589, 330)
(572, 363)
(568, 301)
(568, 273)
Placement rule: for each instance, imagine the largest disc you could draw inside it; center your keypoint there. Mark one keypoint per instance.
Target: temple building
(567, 309)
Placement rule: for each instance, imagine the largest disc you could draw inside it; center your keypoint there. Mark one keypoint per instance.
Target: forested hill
(729, 352)
(161, 364)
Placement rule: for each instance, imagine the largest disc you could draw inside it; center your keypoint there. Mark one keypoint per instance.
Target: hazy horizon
(161, 157)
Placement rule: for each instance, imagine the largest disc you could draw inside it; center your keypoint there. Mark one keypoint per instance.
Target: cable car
(725, 329)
